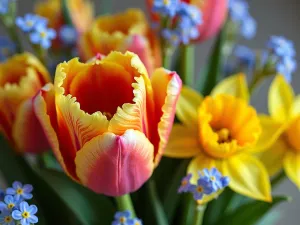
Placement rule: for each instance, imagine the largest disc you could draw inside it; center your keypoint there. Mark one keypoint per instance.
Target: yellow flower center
(7, 219)
(212, 178)
(19, 191)
(292, 135)
(184, 183)
(122, 219)
(10, 205)
(43, 34)
(227, 125)
(25, 215)
(199, 189)
(166, 2)
(29, 23)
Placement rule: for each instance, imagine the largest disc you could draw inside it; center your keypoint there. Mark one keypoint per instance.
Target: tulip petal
(234, 85)
(44, 107)
(271, 130)
(115, 165)
(166, 89)
(291, 165)
(273, 157)
(281, 98)
(183, 143)
(187, 107)
(248, 177)
(28, 133)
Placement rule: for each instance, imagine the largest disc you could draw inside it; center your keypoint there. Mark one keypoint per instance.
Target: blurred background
(274, 17)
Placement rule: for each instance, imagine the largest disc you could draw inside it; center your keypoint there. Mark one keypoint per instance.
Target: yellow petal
(291, 165)
(281, 98)
(272, 158)
(234, 85)
(183, 143)
(248, 177)
(296, 107)
(271, 130)
(187, 106)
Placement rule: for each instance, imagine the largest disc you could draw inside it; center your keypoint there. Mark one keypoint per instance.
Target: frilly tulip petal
(183, 143)
(187, 107)
(291, 165)
(281, 98)
(166, 89)
(115, 165)
(235, 85)
(248, 177)
(28, 133)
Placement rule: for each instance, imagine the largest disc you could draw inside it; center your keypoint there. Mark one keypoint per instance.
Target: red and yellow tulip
(214, 14)
(221, 131)
(21, 77)
(107, 122)
(281, 131)
(121, 32)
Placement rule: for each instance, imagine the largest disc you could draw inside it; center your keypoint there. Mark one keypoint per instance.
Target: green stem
(124, 203)
(187, 64)
(188, 210)
(255, 82)
(199, 214)
(13, 35)
(278, 179)
(167, 58)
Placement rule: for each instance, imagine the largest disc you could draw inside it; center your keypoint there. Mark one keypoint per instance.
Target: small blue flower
(10, 202)
(43, 36)
(191, 13)
(135, 221)
(185, 184)
(122, 218)
(172, 36)
(187, 31)
(244, 55)
(4, 6)
(248, 28)
(2, 194)
(6, 218)
(167, 8)
(20, 191)
(238, 10)
(281, 47)
(286, 67)
(7, 49)
(225, 182)
(213, 176)
(26, 214)
(202, 188)
(68, 35)
(29, 22)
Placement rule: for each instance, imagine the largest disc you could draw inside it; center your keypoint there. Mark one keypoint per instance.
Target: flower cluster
(208, 183)
(14, 208)
(185, 19)
(36, 26)
(125, 218)
(239, 14)
(282, 51)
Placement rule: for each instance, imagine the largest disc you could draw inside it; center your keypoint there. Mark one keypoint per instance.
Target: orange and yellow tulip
(127, 31)
(281, 131)
(107, 122)
(221, 131)
(214, 13)
(21, 77)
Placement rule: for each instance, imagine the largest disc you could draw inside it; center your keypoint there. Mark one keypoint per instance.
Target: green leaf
(66, 12)
(212, 74)
(250, 213)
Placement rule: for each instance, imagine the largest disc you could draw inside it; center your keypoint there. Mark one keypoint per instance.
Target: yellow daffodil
(281, 131)
(221, 131)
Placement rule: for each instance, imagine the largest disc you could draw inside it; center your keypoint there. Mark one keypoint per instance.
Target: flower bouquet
(104, 120)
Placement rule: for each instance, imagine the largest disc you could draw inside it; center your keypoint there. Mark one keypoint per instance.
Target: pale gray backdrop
(275, 17)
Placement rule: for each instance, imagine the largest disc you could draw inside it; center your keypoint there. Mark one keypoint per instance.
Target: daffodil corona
(221, 131)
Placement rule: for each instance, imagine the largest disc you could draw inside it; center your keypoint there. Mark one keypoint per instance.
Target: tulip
(107, 122)
(214, 13)
(127, 31)
(21, 77)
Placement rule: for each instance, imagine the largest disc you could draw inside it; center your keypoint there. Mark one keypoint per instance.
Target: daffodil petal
(296, 107)
(273, 157)
(271, 130)
(281, 99)
(235, 85)
(187, 106)
(291, 165)
(248, 177)
(183, 143)
(27, 132)
(115, 165)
